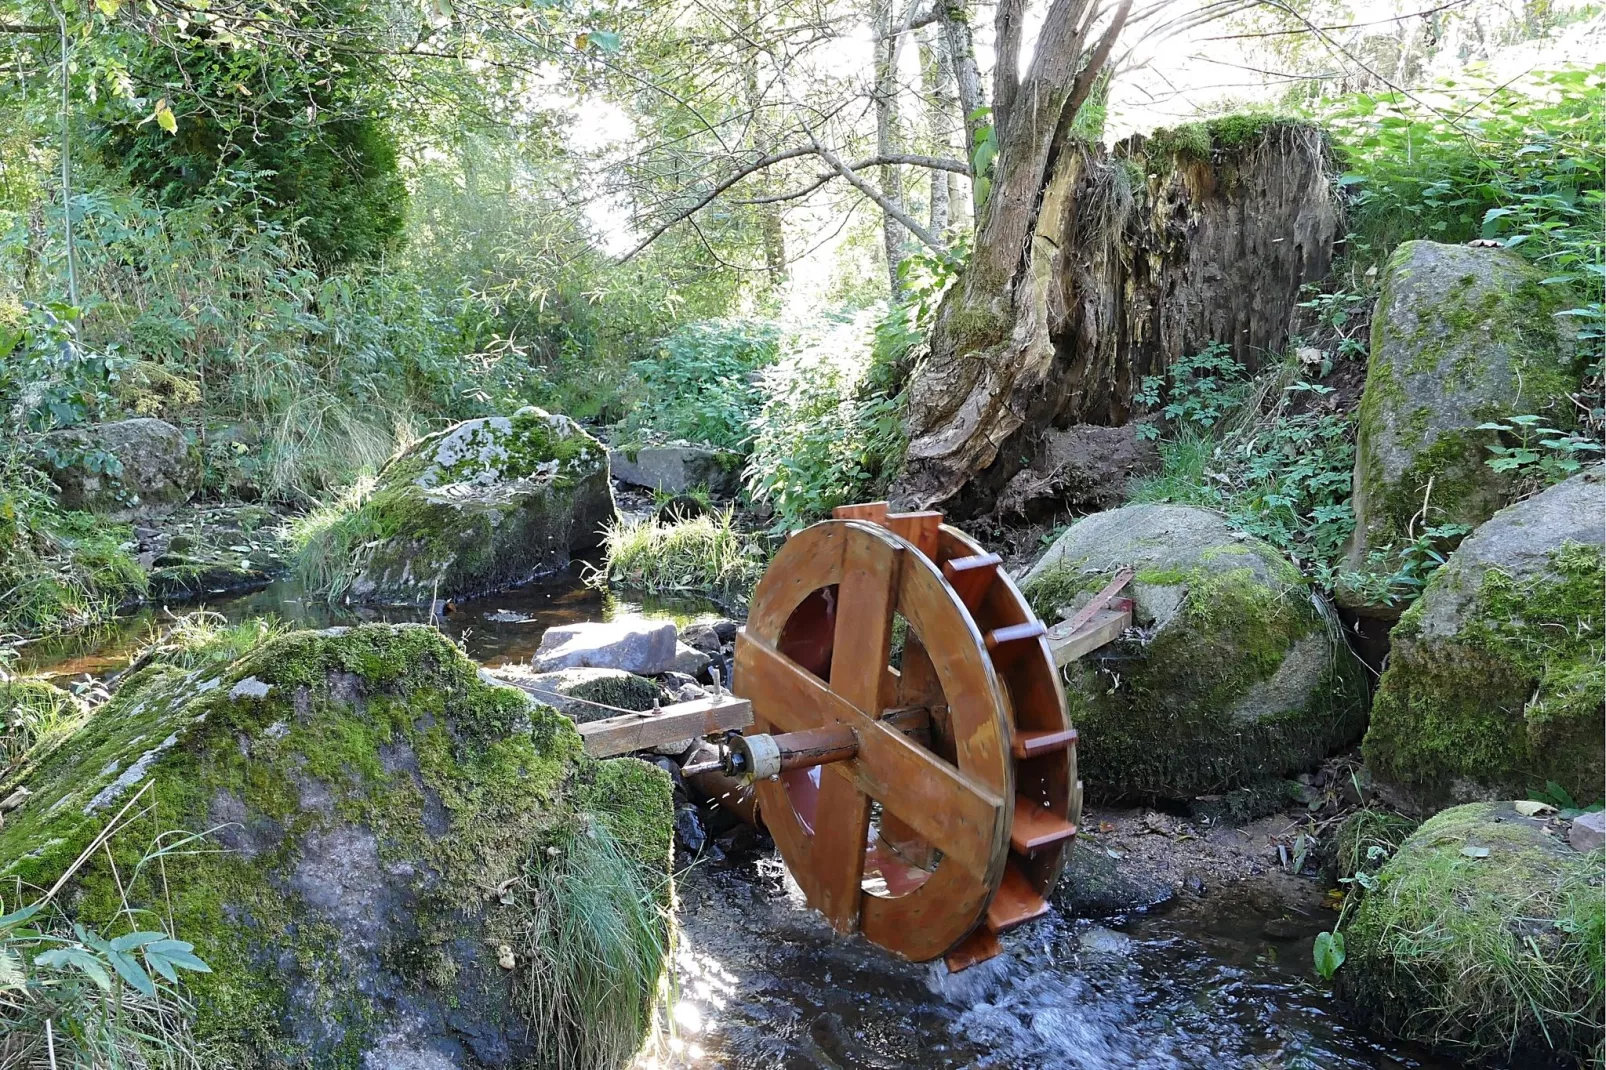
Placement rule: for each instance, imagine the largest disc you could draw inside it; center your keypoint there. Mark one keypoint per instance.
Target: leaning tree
(992, 329)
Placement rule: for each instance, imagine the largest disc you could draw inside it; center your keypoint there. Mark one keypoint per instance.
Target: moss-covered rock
(1461, 336)
(156, 467)
(486, 504)
(1494, 682)
(1234, 672)
(1482, 938)
(388, 856)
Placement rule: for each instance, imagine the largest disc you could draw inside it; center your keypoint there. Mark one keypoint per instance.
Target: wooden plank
(873, 512)
(1102, 628)
(946, 807)
(1036, 827)
(971, 576)
(979, 946)
(861, 649)
(920, 529)
(639, 731)
(1031, 744)
(1100, 600)
(1016, 901)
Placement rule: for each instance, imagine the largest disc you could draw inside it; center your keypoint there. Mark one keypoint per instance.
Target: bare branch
(887, 206)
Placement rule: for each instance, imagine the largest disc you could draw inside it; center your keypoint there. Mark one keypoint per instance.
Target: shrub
(700, 386)
(828, 433)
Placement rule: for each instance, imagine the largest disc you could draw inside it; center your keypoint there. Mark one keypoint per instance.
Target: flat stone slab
(640, 646)
(678, 469)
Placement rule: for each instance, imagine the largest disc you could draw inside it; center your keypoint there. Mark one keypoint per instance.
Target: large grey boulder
(1460, 336)
(156, 467)
(678, 469)
(1235, 670)
(1494, 681)
(486, 504)
(645, 647)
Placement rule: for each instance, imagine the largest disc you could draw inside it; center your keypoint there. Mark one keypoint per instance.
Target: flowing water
(1221, 981)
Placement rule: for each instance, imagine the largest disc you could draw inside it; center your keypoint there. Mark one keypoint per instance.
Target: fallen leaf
(1475, 852)
(1529, 808)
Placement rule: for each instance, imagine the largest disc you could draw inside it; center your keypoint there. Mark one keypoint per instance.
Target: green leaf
(79, 959)
(131, 971)
(17, 917)
(164, 116)
(1475, 852)
(1328, 954)
(605, 40)
(132, 940)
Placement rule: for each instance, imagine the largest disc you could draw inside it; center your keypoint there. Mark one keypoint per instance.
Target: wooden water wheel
(911, 747)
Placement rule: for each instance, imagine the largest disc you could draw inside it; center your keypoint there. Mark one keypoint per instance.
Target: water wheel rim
(966, 812)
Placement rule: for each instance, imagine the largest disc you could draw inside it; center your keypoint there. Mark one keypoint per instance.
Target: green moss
(1512, 700)
(1482, 938)
(378, 728)
(1177, 714)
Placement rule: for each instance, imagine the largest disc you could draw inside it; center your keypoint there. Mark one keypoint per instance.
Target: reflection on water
(495, 629)
(764, 983)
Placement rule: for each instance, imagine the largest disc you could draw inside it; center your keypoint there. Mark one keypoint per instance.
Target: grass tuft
(591, 937)
(705, 553)
(325, 542)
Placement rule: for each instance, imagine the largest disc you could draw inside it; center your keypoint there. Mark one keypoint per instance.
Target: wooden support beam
(1101, 628)
(640, 731)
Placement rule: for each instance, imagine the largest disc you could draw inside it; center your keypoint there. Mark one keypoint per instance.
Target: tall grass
(591, 939)
(706, 553)
(324, 543)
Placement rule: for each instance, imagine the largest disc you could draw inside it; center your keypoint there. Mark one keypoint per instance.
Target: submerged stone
(483, 505)
(1481, 937)
(1461, 336)
(396, 857)
(1234, 671)
(1494, 681)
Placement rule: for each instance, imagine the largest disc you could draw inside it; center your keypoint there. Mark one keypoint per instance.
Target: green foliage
(288, 134)
(826, 435)
(1278, 471)
(58, 570)
(1204, 386)
(324, 542)
(1395, 575)
(705, 553)
(700, 386)
(1328, 953)
(1518, 162)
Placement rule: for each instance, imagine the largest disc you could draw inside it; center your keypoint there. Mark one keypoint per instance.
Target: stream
(1216, 981)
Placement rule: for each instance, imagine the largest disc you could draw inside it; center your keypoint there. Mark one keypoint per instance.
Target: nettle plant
(1204, 386)
(1539, 452)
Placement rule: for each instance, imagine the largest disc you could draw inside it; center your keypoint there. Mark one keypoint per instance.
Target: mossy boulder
(154, 466)
(389, 856)
(1494, 681)
(1460, 336)
(1235, 671)
(486, 504)
(1481, 937)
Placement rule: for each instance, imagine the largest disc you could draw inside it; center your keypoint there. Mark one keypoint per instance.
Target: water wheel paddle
(911, 747)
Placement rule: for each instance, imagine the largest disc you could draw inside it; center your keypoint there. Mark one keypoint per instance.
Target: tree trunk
(993, 323)
(967, 78)
(772, 234)
(937, 72)
(1133, 260)
(893, 235)
(1007, 31)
